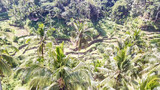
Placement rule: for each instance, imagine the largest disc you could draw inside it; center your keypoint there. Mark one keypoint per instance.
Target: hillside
(79, 45)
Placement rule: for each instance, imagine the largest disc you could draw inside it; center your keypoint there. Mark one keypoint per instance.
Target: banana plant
(81, 34)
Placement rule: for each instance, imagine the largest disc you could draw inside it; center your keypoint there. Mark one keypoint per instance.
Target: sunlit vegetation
(79, 45)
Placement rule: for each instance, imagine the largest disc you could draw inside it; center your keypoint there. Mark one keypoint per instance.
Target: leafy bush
(120, 11)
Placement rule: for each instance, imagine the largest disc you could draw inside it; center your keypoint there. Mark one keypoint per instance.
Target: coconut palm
(60, 73)
(129, 64)
(5, 68)
(39, 42)
(5, 59)
(42, 36)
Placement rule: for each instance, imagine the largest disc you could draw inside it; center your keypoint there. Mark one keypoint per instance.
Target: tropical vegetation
(79, 45)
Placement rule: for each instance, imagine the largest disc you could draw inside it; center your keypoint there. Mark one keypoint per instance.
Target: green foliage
(97, 64)
(122, 60)
(41, 30)
(150, 83)
(4, 16)
(58, 74)
(81, 35)
(6, 60)
(120, 11)
(96, 52)
(59, 57)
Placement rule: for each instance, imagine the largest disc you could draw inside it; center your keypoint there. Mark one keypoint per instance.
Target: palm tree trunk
(42, 50)
(0, 85)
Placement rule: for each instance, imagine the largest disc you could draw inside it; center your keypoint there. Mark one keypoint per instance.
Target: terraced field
(102, 49)
(91, 52)
(79, 45)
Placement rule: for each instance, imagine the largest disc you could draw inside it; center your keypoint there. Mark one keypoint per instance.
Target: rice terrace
(79, 44)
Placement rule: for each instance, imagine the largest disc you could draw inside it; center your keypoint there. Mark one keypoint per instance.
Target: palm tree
(58, 72)
(42, 33)
(5, 69)
(5, 59)
(129, 64)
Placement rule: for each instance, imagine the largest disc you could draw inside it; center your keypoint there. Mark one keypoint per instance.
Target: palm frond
(77, 78)
(9, 59)
(150, 68)
(122, 60)
(5, 68)
(150, 83)
(53, 86)
(39, 82)
(33, 70)
(108, 82)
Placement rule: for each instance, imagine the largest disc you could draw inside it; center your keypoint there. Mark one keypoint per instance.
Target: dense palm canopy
(79, 44)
